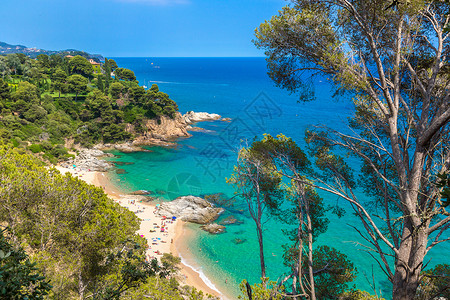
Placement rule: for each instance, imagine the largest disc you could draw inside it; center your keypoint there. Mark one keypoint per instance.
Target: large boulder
(190, 209)
(194, 117)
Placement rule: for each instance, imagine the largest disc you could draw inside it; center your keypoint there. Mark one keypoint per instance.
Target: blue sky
(145, 28)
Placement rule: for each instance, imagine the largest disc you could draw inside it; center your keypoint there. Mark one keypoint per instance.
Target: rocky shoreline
(187, 208)
(162, 132)
(89, 160)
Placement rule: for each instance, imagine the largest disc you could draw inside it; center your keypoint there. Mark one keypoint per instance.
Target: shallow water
(239, 88)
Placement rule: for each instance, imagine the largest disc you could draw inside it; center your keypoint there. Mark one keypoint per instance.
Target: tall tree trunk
(261, 250)
(310, 252)
(409, 263)
(300, 245)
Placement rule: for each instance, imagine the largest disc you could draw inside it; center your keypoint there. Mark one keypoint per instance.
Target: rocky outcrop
(88, 160)
(194, 117)
(161, 131)
(191, 209)
(213, 228)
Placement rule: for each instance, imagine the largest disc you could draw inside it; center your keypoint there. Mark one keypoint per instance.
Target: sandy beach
(167, 240)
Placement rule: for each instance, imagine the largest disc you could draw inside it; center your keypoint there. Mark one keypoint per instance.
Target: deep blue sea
(239, 88)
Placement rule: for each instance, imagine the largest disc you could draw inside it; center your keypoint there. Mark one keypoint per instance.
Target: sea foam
(202, 275)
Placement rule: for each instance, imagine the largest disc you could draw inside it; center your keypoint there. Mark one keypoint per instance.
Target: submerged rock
(238, 241)
(230, 220)
(122, 163)
(160, 192)
(121, 171)
(141, 192)
(213, 228)
(191, 209)
(239, 232)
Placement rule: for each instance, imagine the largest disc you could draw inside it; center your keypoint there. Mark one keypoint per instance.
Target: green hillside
(46, 100)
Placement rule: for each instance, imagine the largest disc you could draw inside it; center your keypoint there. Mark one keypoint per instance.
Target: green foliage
(80, 65)
(35, 113)
(125, 74)
(358, 295)
(115, 89)
(77, 84)
(59, 78)
(137, 93)
(36, 102)
(336, 271)
(19, 278)
(260, 291)
(375, 52)
(258, 184)
(35, 148)
(26, 95)
(444, 183)
(69, 222)
(170, 263)
(4, 92)
(305, 210)
(435, 283)
(100, 84)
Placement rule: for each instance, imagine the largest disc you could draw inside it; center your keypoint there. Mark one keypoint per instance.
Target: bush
(35, 148)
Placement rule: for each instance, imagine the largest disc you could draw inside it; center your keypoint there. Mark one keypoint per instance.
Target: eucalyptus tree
(393, 62)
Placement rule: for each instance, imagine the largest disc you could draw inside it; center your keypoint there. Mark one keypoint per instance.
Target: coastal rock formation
(194, 117)
(161, 131)
(87, 160)
(191, 209)
(213, 228)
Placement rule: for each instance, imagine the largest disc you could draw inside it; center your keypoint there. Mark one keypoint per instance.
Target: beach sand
(172, 240)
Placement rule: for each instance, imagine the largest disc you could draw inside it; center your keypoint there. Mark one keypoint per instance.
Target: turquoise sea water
(239, 88)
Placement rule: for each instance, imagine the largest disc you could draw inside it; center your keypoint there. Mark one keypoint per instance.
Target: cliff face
(161, 131)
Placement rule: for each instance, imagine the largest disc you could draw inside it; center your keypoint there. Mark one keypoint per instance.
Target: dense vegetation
(79, 244)
(390, 61)
(47, 100)
(60, 237)
(271, 177)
